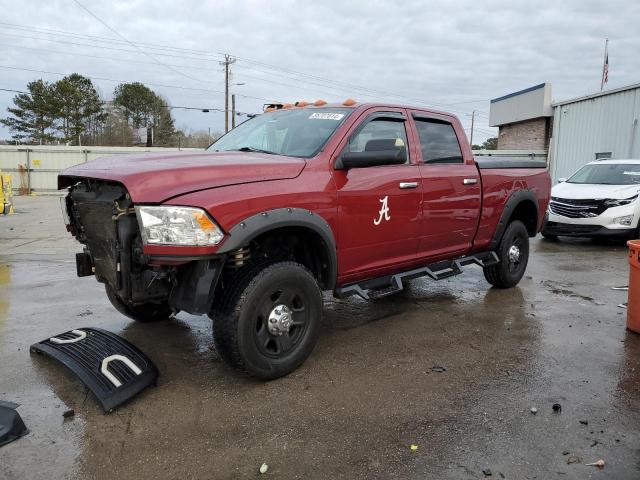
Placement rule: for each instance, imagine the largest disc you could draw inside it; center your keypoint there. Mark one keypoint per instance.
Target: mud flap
(11, 425)
(112, 368)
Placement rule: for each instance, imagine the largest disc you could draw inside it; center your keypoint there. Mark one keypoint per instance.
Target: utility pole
(228, 60)
(473, 118)
(233, 110)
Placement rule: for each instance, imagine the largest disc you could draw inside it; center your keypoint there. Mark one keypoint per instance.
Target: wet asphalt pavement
(367, 393)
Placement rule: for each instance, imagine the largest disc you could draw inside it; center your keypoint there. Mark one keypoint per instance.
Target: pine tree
(34, 116)
(165, 132)
(77, 106)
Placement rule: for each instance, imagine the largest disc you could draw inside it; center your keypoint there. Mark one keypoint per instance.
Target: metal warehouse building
(575, 131)
(601, 125)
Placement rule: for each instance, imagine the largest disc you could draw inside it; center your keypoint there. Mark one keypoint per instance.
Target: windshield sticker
(632, 173)
(326, 116)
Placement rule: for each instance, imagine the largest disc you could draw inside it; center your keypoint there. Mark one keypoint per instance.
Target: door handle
(470, 181)
(408, 184)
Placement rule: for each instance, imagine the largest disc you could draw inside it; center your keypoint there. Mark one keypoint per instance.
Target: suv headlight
(618, 203)
(186, 226)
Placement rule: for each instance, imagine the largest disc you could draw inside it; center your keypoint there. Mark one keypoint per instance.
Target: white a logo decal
(384, 211)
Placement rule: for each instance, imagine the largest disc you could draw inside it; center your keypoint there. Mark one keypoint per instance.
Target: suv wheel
(513, 252)
(143, 313)
(269, 321)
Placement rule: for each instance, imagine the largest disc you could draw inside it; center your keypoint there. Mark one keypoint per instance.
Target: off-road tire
(507, 274)
(144, 313)
(240, 329)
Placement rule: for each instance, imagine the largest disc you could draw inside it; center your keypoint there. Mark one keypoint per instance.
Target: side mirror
(562, 180)
(373, 158)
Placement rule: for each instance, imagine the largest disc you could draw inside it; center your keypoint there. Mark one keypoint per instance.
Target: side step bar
(112, 368)
(387, 285)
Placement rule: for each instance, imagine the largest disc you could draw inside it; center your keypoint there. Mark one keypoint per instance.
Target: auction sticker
(326, 116)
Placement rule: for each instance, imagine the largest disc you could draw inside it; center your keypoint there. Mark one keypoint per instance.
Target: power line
(100, 57)
(48, 31)
(134, 45)
(14, 91)
(333, 92)
(201, 109)
(138, 62)
(279, 68)
(128, 81)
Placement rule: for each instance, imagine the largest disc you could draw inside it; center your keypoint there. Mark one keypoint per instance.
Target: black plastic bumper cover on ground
(112, 368)
(11, 425)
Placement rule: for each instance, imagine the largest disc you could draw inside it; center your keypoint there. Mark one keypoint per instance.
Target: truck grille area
(571, 208)
(93, 207)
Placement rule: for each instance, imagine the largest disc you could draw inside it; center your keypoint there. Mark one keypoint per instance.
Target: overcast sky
(454, 56)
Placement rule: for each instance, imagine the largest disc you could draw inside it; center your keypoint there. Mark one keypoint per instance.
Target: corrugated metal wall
(607, 123)
(36, 168)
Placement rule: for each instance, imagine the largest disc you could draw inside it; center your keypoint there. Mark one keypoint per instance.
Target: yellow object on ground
(6, 194)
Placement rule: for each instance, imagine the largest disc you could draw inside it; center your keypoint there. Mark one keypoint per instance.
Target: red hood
(154, 178)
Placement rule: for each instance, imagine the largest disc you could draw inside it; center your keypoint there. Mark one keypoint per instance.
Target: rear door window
(438, 142)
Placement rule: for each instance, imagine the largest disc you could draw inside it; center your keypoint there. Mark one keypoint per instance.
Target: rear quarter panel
(497, 186)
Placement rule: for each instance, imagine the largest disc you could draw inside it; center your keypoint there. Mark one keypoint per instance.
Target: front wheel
(513, 252)
(269, 321)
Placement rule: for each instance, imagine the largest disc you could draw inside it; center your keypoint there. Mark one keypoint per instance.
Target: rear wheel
(269, 321)
(143, 313)
(513, 252)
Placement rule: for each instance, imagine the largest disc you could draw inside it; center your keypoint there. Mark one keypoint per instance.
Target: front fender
(248, 229)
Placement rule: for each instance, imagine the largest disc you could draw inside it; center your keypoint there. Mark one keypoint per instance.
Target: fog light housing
(626, 220)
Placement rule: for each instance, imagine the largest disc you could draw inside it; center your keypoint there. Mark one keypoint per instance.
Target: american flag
(605, 66)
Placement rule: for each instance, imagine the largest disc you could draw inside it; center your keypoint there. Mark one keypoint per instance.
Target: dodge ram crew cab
(350, 198)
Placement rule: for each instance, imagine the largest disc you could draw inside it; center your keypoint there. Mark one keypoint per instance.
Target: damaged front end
(102, 217)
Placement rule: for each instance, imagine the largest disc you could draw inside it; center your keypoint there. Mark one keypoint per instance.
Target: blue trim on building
(526, 90)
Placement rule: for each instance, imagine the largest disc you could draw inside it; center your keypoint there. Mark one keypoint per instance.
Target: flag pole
(605, 64)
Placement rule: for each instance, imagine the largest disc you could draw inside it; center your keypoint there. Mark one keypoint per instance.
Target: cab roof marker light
(349, 102)
(319, 103)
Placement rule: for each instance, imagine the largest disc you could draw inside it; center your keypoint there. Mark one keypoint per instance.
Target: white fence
(35, 168)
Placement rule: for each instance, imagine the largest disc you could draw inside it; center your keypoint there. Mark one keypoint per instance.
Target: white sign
(326, 116)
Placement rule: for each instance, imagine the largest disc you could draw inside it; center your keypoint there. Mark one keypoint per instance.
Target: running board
(112, 368)
(387, 285)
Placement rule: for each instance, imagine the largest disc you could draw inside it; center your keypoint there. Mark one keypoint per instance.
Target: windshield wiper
(253, 149)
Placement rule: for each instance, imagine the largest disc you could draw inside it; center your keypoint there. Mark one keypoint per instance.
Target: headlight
(186, 226)
(618, 203)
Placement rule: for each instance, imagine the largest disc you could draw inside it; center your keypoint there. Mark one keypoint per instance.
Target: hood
(586, 191)
(154, 178)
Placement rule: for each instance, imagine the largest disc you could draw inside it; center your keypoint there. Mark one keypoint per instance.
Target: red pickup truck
(349, 198)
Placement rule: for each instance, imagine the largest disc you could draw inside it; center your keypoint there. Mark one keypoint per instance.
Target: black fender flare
(512, 203)
(249, 228)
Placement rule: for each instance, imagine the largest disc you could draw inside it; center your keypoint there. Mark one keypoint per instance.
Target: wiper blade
(253, 149)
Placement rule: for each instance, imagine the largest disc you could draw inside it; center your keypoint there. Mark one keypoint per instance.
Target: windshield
(608, 174)
(295, 133)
